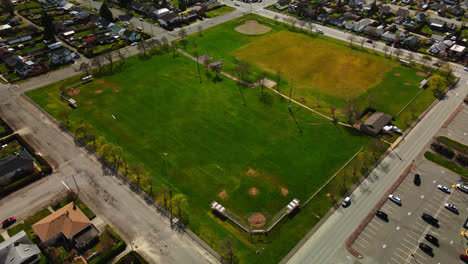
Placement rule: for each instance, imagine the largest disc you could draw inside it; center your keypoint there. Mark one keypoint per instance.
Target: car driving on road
(319, 31)
(451, 207)
(395, 199)
(443, 188)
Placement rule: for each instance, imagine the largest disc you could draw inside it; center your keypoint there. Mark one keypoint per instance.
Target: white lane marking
(359, 237)
(377, 222)
(66, 186)
(362, 233)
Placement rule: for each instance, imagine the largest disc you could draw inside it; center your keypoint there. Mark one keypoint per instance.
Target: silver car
(394, 199)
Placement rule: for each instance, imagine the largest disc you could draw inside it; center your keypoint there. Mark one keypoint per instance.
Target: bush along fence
(5, 129)
(44, 166)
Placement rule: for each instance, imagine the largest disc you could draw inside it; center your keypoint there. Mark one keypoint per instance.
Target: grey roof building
(374, 124)
(18, 249)
(15, 165)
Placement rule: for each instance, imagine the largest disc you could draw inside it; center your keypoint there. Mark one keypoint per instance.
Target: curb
(447, 122)
(366, 220)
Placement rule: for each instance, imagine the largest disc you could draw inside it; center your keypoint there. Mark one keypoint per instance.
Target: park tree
(109, 56)
(98, 61)
(276, 18)
(385, 50)
(179, 200)
(437, 85)
(106, 151)
(153, 44)
(105, 12)
(163, 190)
(446, 70)
(374, 45)
(142, 45)
(227, 247)
(302, 24)
(363, 40)
(65, 114)
(182, 35)
(398, 52)
(8, 6)
(200, 30)
(311, 27)
(139, 171)
(122, 54)
(351, 39)
(165, 43)
(242, 68)
(84, 67)
(82, 130)
(49, 28)
(351, 110)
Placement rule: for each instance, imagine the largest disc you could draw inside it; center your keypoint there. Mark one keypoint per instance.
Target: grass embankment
(214, 143)
(446, 164)
(326, 72)
(220, 11)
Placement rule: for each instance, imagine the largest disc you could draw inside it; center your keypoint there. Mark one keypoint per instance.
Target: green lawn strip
(446, 164)
(220, 11)
(68, 199)
(132, 257)
(2, 129)
(27, 224)
(453, 144)
(1, 239)
(212, 140)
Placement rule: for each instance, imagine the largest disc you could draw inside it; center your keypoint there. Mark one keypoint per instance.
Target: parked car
(319, 31)
(462, 187)
(464, 258)
(140, 28)
(395, 199)
(425, 248)
(396, 46)
(133, 44)
(96, 9)
(9, 221)
(141, 19)
(370, 41)
(381, 215)
(431, 239)
(443, 188)
(346, 202)
(451, 207)
(417, 179)
(430, 219)
(466, 68)
(236, 4)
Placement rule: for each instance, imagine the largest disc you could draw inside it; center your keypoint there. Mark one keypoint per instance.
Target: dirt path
(252, 86)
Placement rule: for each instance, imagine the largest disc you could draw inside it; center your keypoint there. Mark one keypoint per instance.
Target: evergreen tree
(49, 28)
(105, 12)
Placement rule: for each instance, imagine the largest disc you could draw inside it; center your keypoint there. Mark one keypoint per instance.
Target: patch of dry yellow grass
(315, 63)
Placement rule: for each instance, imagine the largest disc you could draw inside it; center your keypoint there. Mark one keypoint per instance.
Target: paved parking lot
(397, 240)
(393, 241)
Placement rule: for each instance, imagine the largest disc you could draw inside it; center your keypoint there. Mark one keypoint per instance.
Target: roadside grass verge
(453, 144)
(446, 164)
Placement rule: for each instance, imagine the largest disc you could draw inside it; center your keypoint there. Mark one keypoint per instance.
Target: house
(437, 24)
(24, 68)
(14, 21)
(116, 30)
(450, 2)
(350, 25)
(412, 42)
(401, 15)
(456, 10)
(130, 35)
(386, 10)
(322, 17)
(90, 39)
(169, 19)
(420, 18)
(437, 6)
(350, 16)
(188, 15)
(61, 56)
(19, 249)
(210, 5)
(457, 50)
(19, 39)
(437, 38)
(15, 165)
(3, 27)
(337, 21)
(390, 37)
(281, 5)
(373, 31)
(374, 124)
(361, 24)
(310, 13)
(66, 224)
(437, 48)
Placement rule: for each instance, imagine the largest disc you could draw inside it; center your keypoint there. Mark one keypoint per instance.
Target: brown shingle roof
(67, 220)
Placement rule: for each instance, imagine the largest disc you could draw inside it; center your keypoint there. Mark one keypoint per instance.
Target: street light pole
(395, 153)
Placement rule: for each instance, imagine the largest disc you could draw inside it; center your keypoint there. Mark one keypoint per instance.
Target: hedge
(446, 164)
(132, 257)
(444, 151)
(112, 252)
(19, 183)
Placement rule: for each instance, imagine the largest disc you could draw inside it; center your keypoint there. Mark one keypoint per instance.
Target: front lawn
(27, 224)
(68, 199)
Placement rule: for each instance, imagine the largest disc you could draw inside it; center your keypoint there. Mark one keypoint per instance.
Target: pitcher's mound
(253, 191)
(252, 27)
(257, 220)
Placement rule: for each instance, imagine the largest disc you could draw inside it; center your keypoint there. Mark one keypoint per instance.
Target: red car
(396, 46)
(369, 41)
(464, 258)
(6, 223)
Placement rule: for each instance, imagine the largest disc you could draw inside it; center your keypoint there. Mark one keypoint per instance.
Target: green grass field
(220, 11)
(214, 144)
(323, 69)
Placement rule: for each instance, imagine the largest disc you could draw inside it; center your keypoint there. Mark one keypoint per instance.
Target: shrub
(463, 160)
(446, 152)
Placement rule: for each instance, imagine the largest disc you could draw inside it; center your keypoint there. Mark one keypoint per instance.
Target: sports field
(218, 149)
(326, 72)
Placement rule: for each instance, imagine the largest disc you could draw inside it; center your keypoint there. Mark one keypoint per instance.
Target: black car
(429, 218)
(381, 215)
(425, 248)
(417, 179)
(431, 239)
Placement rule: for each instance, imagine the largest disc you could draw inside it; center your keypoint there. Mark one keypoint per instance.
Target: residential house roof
(458, 48)
(420, 17)
(437, 38)
(437, 48)
(15, 162)
(17, 249)
(336, 21)
(456, 10)
(361, 24)
(436, 22)
(402, 12)
(68, 220)
(411, 41)
(89, 39)
(385, 9)
(389, 36)
(373, 31)
(350, 16)
(376, 122)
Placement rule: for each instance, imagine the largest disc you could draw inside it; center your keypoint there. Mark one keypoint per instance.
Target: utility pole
(395, 153)
(77, 187)
(198, 64)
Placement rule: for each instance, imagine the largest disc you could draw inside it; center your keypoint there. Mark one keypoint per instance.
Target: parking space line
(417, 237)
(405, 188)
(399, 255)
(404, 253)
(424, 226)
(359, 237)
(409, 241)
(414, 233)
(360, 244)
(370, 224)
(445, 214)
(367, 229)
(362, 233)
(416, 253)
(407, 247)
(438, 194)
(387, 208)
(395, 260)
(377, 223)
(415, 227)
(432, 205)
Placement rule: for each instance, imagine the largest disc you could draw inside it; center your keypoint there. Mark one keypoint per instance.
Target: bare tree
(242, 68)
(165, 43)
(410, 57)
(65, 115)
(200, 30)
(227, 248)
(311, 27)
(276, 18)
(374, 45)
(138, 170)
(363, 40)
(142, 45)
(351, 39)
(385, 49)
(98, 61)
(371, 101)
(84, 67)
(109, 56)
(182, 35)
(293, 22)
(302, 23)
(398, 52)
(122, 53)
(154, 44)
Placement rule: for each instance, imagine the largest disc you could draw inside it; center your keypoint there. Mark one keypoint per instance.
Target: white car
(451, 207)
(462, 187)
(443, 188)
(319, 31)
(466, 68)
(394, 199)
(139, 28)
(141, 19)
(346, 202)
(133, 44)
